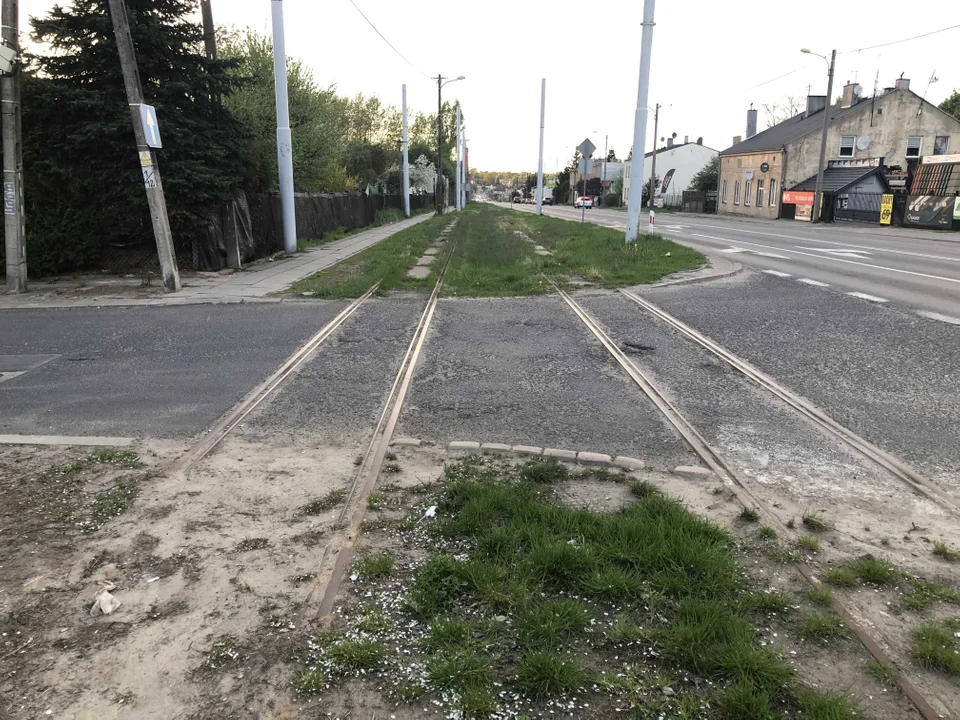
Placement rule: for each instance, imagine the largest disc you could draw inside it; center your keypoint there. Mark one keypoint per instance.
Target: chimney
(751, 122)
(815, 103)
(849, 97)
(903, 83)
(669, 142)
(737, 139)
(700, 141)
(686, 139)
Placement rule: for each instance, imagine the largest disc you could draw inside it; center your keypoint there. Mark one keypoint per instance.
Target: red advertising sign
(795, 197)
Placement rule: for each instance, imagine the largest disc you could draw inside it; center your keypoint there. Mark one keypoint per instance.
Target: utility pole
(209, 30)
(14, 223)
(640, 123)
(543, 106)
(284, 138)
(147, 157)
(457, 169)
(438, 198)
(653, 171)
(406, 159)
(818, 195)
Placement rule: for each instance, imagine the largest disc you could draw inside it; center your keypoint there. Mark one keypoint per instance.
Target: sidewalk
(252, 284)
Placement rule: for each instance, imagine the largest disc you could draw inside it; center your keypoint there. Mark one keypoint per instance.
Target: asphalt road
(907, 268)
(166, 372)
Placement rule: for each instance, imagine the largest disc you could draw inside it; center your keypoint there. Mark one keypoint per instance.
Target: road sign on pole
(151, 128)
(586, 148)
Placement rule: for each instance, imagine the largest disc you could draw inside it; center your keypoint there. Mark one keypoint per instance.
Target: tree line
(82, 180)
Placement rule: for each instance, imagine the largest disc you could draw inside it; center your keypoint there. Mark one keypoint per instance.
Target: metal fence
(857, 207)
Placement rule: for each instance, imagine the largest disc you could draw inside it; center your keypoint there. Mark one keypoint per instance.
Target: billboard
(795, 197)
(930, 211)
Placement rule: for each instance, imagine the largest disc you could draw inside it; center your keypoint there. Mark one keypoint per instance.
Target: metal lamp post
(441, 81)
(818, 194)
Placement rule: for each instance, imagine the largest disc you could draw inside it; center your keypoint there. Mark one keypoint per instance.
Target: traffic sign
(151, 128)
(586, 148)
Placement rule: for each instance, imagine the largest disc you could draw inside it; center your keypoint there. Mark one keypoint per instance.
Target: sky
(710, 61)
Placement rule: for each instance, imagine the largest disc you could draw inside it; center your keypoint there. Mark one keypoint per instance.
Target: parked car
(584, 202)
(517, 199)
(548, 201)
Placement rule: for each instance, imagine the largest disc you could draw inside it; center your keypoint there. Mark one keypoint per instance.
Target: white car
(584, 202)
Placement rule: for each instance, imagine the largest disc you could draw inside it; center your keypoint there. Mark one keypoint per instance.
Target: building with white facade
(676, 166)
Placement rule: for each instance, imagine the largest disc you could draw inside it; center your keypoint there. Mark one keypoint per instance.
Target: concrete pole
(653, 171)
(406, 159)
(640, 123)
(464, 166)
(209, 30)
(818, 195)
(457, 168)
(147, 158)
(14, 229)
(284, 138)
(543, 106)
(439, 198)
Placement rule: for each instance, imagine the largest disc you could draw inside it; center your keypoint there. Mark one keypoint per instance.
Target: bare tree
(783, 109)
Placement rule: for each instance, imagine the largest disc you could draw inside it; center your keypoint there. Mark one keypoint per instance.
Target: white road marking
(825, 242)
(864, 296)
(858, 254)
(839, 260)
(777, 273)
(938, 316)
(815, 283)
(730, 250)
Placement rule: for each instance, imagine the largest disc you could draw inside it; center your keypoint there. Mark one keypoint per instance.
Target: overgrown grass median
(500, 252)
(387, 261)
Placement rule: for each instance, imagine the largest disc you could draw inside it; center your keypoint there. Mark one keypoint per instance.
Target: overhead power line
(779, 77)
(896, 42)
(388, 42)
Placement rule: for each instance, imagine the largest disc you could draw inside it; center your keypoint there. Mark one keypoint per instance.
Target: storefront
(934, 200)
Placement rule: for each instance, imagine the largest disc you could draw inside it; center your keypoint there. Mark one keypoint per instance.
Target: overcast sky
(708, 60)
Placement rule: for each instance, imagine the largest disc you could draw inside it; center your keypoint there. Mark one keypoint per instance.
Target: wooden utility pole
(13, 218)
(147, 157)
(209, 30)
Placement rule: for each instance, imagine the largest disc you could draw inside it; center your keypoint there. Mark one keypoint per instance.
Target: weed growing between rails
(503, 602)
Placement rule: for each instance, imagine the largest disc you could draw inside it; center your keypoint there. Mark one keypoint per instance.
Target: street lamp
(818, 194)
(441, 81)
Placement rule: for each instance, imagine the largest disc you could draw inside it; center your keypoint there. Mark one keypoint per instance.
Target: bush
(611, 200)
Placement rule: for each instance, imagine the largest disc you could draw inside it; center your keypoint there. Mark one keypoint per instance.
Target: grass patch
(545, 675)
(644, 489)
(375, 565)
(392, 468)
(311, 682)
(820, 596)
(920, 594)
(223, 652)
(353, 655)
(749, 514)
(248, 544)
(544, 472)
(866, 568)
(935, 649)
(376, 500)
(113, 502)
(944, 551)
(321, 505)
(823, 628)
(809, 542)
(766, 532)
(387, 261)
(766, 603)
(882, 673)
(108, 455)
(825, 705)
(840, 576)
(815, 522)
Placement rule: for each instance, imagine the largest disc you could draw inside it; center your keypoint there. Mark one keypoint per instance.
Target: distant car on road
(584, 202)
(548, 201)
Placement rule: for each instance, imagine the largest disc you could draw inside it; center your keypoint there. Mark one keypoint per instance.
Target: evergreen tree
(83, 181)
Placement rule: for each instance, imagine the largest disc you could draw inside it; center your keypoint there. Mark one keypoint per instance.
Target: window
(773, 193)
(846, 145)
(941, 145)
(759, 193)
(736, 193)
(723, 194)
(746, 193)
(914, 143)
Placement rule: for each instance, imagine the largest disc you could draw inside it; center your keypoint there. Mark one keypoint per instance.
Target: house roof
(838, 179)
(675, 146)
(776, 137)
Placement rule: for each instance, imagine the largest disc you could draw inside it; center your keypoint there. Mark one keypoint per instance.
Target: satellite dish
(858, 90)
(863, 142)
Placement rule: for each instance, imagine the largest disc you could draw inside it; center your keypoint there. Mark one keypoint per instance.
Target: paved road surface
(907, 268)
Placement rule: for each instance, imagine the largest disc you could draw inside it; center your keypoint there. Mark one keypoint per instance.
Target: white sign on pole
(585, 166)
(151, 128)
(586, 148)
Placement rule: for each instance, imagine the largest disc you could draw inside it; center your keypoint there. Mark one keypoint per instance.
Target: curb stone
(624, 463)
(693, 472)
(560, 454)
